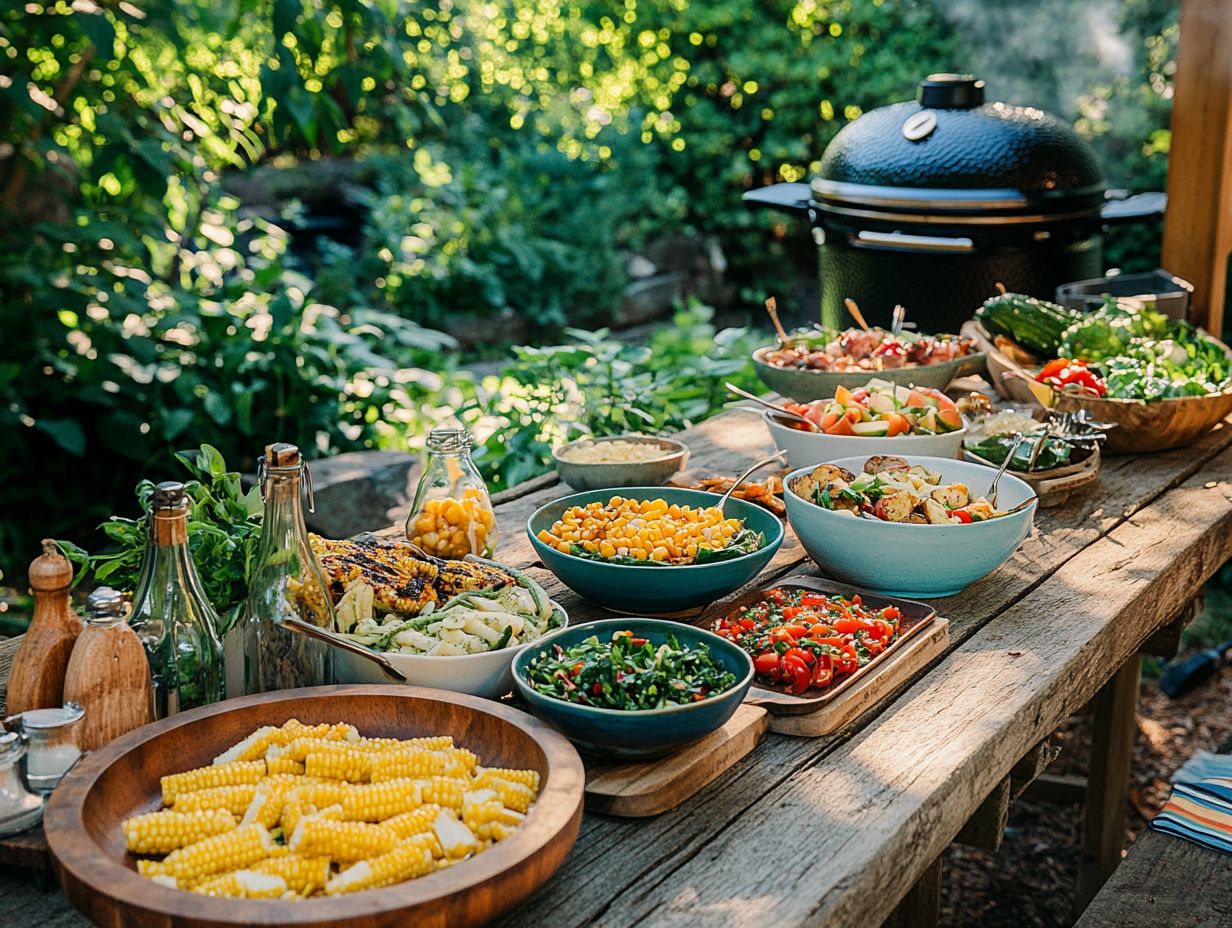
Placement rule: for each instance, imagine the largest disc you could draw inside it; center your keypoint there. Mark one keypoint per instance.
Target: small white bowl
(488, 674)
(806, 449)
(603, 475)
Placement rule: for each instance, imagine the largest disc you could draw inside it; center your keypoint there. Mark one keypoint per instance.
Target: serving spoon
(299, 626)
(992, 489)
(773, 407)
(777, 456)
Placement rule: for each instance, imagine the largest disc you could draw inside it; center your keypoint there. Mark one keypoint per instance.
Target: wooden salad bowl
(99, 877)
(1140, 426)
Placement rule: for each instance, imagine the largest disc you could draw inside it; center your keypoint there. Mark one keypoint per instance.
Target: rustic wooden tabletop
(844, 829)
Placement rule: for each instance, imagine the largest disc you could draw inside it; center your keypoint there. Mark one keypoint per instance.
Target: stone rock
(361, 491)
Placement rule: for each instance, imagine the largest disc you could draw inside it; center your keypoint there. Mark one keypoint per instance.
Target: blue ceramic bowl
(640, 733)
(913, 561)
(635, 589)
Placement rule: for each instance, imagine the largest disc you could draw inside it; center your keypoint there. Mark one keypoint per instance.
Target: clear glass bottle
(171, 613)
(286, 582)
(452, 514)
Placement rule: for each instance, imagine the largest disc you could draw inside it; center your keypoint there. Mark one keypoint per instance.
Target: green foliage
(224, 527)
(596, 385)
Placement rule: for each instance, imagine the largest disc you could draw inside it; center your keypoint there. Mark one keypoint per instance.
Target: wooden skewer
(855, 313)
(772, 307)
(1001, 288)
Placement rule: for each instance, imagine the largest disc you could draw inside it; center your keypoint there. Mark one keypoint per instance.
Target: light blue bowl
(914, 561)
(642, 733)
(635, 589)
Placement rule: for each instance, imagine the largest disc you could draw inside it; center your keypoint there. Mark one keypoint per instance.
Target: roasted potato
(825, 473)
(880, 463)
(928, 476)
(805, 487)
(835, 489)
(980, 508)
(952, 496)
(916, 519)
(934, 512)
(893, 507)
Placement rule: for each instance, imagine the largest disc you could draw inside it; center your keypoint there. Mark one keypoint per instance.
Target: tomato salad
(806, 640)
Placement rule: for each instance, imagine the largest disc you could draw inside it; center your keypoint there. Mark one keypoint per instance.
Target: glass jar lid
(55, 717)
(449, 440)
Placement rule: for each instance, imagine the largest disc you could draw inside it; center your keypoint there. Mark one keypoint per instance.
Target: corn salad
(644, 530)
(453, 528)
(297, 811)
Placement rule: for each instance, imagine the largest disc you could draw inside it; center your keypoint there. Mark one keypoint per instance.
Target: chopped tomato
(798, 674)
(847, 625)
(791, 612)
(766, 663)
(796, 631)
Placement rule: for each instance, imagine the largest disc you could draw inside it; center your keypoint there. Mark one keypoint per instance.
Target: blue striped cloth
(1200, 807)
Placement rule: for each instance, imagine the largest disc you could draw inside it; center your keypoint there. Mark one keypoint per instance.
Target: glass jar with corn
(452, 515)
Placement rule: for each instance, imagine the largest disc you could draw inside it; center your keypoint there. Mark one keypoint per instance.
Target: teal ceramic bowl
(805, 385)
(635, 589)
(913, 561)
(642, 733)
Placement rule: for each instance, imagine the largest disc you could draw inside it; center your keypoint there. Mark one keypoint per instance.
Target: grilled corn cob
(165, 831)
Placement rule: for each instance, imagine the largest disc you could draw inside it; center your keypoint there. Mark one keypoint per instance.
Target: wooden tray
(1053, 486)
(82, 821)
(915, 618)
(652, 787)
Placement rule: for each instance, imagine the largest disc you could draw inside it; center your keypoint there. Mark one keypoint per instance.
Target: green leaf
(217, 408)
(66, 433)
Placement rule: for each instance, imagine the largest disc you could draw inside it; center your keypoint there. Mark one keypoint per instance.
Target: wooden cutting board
(638, 790)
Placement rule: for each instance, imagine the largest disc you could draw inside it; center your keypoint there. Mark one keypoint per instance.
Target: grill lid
(950, 152)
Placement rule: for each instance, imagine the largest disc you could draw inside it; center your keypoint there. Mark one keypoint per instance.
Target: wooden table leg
(921, 907)
(1112, 745)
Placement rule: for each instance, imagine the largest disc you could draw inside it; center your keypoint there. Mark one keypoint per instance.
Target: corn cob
(302, 875)
(413, 823)
(483, 808)
(443, 791)
(529, 778)
(375, 802)
(151, 868)
(163, 832)
(234, 799)
(341, 840)
(456, 839)
(231, 851)
(391, 765)
(320, 793)
(267, 802)
(515, 795)
(348, 764)
(244, 884)
(190, 781)
(408, 860)
(433, 743)
(277, 761)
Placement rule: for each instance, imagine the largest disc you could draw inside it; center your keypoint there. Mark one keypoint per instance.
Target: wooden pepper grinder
(36, 679)
(108, 673)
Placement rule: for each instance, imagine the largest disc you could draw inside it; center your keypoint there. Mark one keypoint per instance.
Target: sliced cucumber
(871, 429)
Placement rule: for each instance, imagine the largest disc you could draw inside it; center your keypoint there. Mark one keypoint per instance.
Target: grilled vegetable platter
(1162, 382)
(892, 490)
(859, 350)
(390, 596)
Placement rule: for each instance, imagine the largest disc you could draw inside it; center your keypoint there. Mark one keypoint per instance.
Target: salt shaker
(50, 736)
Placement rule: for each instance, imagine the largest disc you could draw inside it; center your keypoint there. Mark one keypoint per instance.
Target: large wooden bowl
(122, 779)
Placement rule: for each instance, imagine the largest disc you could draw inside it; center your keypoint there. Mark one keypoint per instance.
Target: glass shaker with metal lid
(19, 808)
(171, 613)
(286, 583)
(452, 515)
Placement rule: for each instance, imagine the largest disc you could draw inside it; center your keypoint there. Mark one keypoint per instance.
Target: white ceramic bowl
(488, 674)
(808, 449)
(913, 561)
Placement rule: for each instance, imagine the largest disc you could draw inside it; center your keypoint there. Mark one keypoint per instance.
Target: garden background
(300, 220)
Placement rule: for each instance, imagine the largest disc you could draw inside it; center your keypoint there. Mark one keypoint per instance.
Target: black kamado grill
(933, 202)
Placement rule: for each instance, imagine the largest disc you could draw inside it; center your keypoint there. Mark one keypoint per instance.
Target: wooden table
(842, 830)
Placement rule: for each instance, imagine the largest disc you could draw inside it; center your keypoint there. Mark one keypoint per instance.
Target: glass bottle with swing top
(287, 582)
(452, 514)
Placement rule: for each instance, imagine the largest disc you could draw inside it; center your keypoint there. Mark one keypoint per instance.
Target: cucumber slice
(871, 429)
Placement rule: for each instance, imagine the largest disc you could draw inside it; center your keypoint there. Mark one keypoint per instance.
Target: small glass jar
(50, 736)
(452, 514)
(19, 808)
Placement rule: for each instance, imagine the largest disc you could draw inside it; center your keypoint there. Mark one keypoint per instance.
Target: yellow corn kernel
(408, 860)
(517, 796)
(303, 875)
(163, 832)
(244, 884)
(234, 850)
(191, 781)
(267, 802)
(341, 840)
(234, 799)
(443, 791)
(151, 868)
(374, 802)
